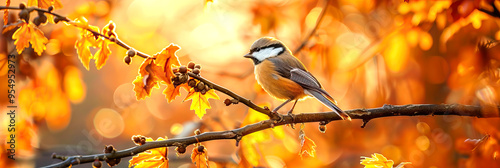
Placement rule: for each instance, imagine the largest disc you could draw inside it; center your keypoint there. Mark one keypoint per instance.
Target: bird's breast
(276, 85)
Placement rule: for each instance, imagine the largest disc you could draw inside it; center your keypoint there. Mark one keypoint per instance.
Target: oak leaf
(200, 102)
(151, 158)
(29, 33)
(307, 145)
(200, 159)
(87, 40)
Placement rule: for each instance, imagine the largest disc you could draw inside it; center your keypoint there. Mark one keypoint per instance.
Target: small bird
(284, 77)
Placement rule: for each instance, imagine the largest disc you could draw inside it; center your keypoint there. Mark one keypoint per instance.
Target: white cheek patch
(267, 52)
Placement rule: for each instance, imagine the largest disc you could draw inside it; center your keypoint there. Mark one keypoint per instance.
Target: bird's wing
(306, 80)
(313, 88)
(284, 66)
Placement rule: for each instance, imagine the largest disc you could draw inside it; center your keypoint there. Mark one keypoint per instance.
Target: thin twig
(65, 19)
(313, 31)
(247, 102)
(324, 117)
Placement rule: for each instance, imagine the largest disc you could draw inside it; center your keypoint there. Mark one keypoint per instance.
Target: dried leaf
(151, 158)
(87, 40)
(200, 102)
(166, 59)
(146, 81)
(377, 161)
(200, 159)
(307, 145)
(29, 33)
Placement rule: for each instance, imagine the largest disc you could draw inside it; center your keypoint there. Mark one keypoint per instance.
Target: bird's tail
(328, 101)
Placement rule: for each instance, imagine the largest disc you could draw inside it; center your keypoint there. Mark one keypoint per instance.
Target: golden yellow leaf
(29, 33)
(171, 92)
(200, 159)
(166, 59)
(307, 145)
(377, 161)
(102, 54)
(200, 102)
(151, 158)
(87, 40)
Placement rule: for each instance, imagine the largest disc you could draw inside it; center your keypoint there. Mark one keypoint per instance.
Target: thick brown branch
(324, 117)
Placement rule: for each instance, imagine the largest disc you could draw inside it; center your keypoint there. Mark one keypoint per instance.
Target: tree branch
(494, 13)
(65, 19)
(273, 116)
(323, 117)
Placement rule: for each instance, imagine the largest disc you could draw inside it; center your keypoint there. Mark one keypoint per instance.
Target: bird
(284, 77)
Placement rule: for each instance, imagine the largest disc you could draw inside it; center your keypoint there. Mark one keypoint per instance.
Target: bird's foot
(293, 119)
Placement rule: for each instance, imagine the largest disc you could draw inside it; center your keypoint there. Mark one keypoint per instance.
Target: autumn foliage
(149, 58)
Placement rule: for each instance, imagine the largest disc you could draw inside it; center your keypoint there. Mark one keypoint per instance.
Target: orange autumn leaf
(29, 33)
(167, 59)
(103, 53)
(6, 13)
(200, 102)
(45, 3)
(146, 81)
(200, 159)
(87, 40)
(171, 92)
(151, 158)
(307, 145)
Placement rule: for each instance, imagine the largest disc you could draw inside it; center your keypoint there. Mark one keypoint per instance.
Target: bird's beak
(248, 55)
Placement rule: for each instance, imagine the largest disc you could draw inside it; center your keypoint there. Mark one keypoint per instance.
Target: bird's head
(266, 47)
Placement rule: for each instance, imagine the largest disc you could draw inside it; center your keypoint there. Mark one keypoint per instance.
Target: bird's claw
(293, 119)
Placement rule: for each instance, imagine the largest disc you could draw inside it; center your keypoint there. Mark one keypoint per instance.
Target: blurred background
(366, 53)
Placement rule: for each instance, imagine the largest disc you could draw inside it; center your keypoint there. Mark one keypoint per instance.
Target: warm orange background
(366, 53)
